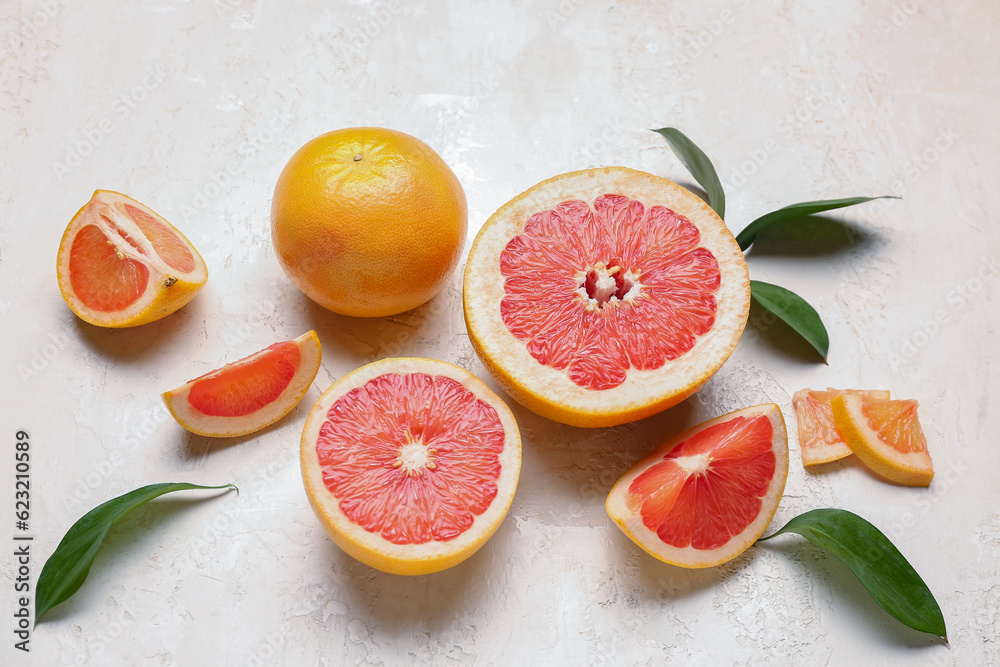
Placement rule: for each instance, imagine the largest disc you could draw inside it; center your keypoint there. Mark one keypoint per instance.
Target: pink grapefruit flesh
(410, 465)
(250, 394)
(705, 496)
(603, 296)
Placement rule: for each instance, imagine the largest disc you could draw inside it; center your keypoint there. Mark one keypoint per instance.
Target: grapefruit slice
(247, 395)
(410, 464)
(819, 440)
(886, 436)
(603, 296)
(122, 265)
(703, 497)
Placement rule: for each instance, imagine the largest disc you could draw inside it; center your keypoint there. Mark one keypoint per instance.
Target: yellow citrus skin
(167, 291)
(368, 221)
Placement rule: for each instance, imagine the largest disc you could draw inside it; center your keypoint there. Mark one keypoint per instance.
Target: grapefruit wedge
(886, 436)
(603, 296)
(410, 464)
(703, 497)
(121, 265)
(819, 439)
(247, 395)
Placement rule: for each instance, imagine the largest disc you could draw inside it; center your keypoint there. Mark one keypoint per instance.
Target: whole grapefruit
(368, 221)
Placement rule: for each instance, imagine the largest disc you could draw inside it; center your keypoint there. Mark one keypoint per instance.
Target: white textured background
(194, 107)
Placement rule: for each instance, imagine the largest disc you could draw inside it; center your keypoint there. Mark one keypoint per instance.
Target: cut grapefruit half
(410, 464)
(603, 296)
(247, 395)
(886, 436)
(121, 265)
(703, 497)
(819, 439)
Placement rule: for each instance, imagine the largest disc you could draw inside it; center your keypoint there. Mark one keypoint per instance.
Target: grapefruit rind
(819, 440)
(908, 469)
(213, 426)
(550, 392)
(630, 521)
(371, 548)
(168, 289)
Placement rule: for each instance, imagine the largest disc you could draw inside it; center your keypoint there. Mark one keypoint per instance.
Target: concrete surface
(194, 107)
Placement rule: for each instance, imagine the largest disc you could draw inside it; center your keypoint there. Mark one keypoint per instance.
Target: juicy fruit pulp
(419, 475)
(368, 221)
(886, 435)
(247, 385)
(599, 289)
(122, 265)
(247, 395)
(410, 464)
(702, 498)
(681, 498)
(820, 441)
(604, 296)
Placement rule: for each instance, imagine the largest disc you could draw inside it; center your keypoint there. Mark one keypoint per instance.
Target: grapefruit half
(819, 439)
(410, 464)
(886, 436)
(603, 296)
(703, 497)
(247, 395)
(120, 264)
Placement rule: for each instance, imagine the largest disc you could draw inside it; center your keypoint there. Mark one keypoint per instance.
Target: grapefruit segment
(603, 296)
(410, 464)
(121, 265)
(886, 436)
(247, 395)
(703, 497)
(819, 439)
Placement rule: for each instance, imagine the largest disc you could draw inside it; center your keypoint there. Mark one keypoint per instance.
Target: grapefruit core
(410, 464)
(121, 265)
(820, 441)
(703, 497)
(247, 395)
(603, 296)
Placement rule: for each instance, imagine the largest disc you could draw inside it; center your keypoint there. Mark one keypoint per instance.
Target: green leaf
(699, 165)
(795, 311)
(870, 555)
(67, 568)
(792, 211)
